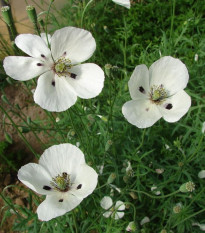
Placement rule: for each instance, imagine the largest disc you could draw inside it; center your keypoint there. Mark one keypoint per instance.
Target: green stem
(199, 212)
(2, 196)
(84, 10)
(46, 27)
(22, 136)
(155, 197)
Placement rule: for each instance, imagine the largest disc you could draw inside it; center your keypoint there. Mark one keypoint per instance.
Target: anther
(43, 56)
(46, 187)
(53, 83)
(39, 64)
(169, 106)
(72, 75)
(79, 186)
(142, 90)
(61, 200)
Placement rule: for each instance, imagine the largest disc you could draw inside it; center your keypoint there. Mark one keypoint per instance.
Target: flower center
(158, 94)
(61, 66)
(61, 182)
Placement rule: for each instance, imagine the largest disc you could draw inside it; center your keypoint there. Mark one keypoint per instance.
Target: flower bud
(177, 208)
(111, 178)
(131, 227)
(31, 11)
(187, 187)
(6, 14)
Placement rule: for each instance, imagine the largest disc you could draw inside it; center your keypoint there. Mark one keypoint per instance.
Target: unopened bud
(31, 11)
(187, 187)
(111, 178)
(6, 14)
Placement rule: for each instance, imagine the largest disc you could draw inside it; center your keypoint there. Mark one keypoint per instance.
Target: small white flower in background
(201, 174)
(157, 192)
(57, 119)
(201, 226)
(177, 208)
(144, 220)
(125, 3)
(157, 92)
(159, 170)
(77, 144)
(196, 57)
(115, 212)
(100, 169)
(129, 170)
(131, 227)
(62, 77)
(203, 127)
(115, 187)
(63, 176)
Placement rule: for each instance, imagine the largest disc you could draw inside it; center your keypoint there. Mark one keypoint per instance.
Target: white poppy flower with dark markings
(157, 92)
(116, 211)
(125, 3)
(62, 78)
(63, 176)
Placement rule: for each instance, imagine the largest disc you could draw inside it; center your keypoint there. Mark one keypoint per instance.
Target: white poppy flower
(63, 176)
(157, 92)
(116, 211)
(125, 3)
(62, 78)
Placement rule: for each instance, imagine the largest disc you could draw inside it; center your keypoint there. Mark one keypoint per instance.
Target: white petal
(74, 43)
(180, 103)
(33, 45)
(106, 202)
(141, 113)
(35, 177)
(139, 83)
(85, 181)
(52, 208)
(201, 174)
(107, 214)
(43, 36)
(120, 205)
(62, 158)
(23, 68)
(125, 3)
(54, 93)
(144, 220)
(203, 127)
(170, 72)
(118, 215)
(89, 80)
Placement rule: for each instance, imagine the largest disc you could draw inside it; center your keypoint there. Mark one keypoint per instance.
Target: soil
(16, 94)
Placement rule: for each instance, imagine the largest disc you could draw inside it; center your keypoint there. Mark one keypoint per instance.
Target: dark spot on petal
(43, 56)
(142, 90)
(53, 83)
(79, 186)
(64, 53)
(169, 106)
(46, 187)
(39, 64)
(61, 200)
(147, 109)
(72, 75)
